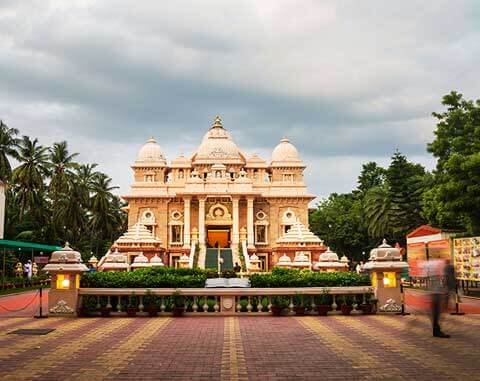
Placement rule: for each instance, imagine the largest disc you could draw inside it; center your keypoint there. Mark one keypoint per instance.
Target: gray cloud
(346, 81)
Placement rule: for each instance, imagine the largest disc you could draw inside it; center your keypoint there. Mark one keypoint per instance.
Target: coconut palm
(62, 164)
(85, 175)
(377, 207)
(101, 206)
(8, 145)
(29, 176)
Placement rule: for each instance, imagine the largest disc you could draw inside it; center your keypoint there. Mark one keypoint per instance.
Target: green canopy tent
(24, 247)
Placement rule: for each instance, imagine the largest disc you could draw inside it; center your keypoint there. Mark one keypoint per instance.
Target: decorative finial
(218, 122)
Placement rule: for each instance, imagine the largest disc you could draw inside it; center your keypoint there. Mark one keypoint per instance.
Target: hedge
(306, 278)
(167, 277)
(164, 277)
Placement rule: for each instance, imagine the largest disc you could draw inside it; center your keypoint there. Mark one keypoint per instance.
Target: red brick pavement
(257, 348)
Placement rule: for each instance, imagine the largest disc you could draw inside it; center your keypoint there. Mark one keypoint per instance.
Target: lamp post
(219, 261)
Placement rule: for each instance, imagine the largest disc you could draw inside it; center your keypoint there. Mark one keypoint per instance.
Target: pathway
(241, 348)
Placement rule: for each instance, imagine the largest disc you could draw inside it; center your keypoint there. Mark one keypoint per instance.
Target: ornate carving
(61, 308)
(391, 306)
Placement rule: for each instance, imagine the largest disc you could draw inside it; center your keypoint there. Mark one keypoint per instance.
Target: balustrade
(220, 301)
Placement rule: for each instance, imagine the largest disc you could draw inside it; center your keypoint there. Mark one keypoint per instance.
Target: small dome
(140, 259)
(156, 261)
(301, 259)
(385, 252)
(285, 152)
(328, 256)
(254, 258)
(284, 259)
(151, 153)
(344, 259)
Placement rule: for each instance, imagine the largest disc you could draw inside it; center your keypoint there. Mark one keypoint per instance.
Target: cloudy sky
(346, 81)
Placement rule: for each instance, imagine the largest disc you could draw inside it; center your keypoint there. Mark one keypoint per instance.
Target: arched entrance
(218, 236)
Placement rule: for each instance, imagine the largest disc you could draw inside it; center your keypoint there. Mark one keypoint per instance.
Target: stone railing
(219, 301)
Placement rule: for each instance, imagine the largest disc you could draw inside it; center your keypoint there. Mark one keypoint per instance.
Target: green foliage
(455, 196)
(196, 254)
(305, 278)
(164, 277)
(242, 258)
(52, 199)
(280, 301)
(340, 222)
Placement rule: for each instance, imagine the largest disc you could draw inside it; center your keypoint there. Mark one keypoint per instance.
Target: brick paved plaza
(262, 348)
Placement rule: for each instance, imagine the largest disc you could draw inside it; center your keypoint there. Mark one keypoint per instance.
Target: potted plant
(347, 305)
(132, 306)
(178, 304)
(279, 304)
(150, 302)
(368, 307)
(324, 303)
(299, 306)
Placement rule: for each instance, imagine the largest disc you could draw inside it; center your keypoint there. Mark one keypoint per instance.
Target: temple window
(149, 178)
(286, 228)
(181, 174)
(288, 177)
(260, 234)
(176, 234)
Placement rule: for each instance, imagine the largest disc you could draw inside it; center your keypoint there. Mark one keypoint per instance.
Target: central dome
(216, 144)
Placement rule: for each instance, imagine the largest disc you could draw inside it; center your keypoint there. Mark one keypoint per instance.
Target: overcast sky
(346, 81)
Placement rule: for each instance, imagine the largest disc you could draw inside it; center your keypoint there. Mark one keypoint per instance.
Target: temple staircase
(211, 259)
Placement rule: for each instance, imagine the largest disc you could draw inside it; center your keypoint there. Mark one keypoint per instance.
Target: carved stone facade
(217, 192)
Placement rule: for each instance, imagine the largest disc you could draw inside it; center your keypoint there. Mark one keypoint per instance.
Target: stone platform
(241, 348)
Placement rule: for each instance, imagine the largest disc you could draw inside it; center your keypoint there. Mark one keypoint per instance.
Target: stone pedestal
(385, 266)
(65, 268)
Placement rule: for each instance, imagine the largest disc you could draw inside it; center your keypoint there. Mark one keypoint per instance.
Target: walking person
(440, 295)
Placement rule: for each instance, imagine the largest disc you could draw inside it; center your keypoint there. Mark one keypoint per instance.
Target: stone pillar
(235, 227)
(65, 268)
(2, 209)
(186, 222)
(201, 221)
(250, 223)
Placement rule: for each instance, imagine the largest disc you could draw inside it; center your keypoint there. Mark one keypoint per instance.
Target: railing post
(205, 305)
(249, 305)
(269, 303)
(109, 304)
(334, 303)
(238, 306)
(194, 305)
(140, 305)
(259, 304)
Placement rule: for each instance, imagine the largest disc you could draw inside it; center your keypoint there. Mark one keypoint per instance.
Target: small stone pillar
(184, 261)
(385, 267)
(65, 268)
(254, 264)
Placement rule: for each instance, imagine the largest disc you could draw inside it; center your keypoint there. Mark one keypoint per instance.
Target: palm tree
(377, 208)
(61, 165)
(85, 176)
(29, 176)
(101, 205)
(8, 145)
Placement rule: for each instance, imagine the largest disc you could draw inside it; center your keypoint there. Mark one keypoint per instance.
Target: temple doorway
(220, 235)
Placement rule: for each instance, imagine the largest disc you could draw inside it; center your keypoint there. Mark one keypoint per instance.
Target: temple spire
(217, 122)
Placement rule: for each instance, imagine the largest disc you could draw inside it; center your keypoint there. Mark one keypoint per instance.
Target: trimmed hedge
(306, 278)
(164, 277)
(167, 277)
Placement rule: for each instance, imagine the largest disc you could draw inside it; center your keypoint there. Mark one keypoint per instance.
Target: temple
(219, 198)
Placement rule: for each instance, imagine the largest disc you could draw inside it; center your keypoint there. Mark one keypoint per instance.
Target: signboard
(467, 258)
(40, 260)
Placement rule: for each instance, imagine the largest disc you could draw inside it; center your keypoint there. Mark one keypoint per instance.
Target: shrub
(146, 278)
(306, 278)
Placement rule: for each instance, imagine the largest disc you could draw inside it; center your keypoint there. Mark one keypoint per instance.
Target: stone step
(211, 259)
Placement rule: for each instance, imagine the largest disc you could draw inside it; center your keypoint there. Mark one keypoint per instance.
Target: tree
(29, 176)
(395, 208)
(62, 164)
(8, 149)
(338, 220)
(457, 149)
(371, 176)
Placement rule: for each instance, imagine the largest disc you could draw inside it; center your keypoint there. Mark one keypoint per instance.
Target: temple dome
(285, 152)
(151, 153)
(216, 144)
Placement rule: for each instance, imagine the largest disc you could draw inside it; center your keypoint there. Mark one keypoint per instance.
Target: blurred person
(439, 292)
